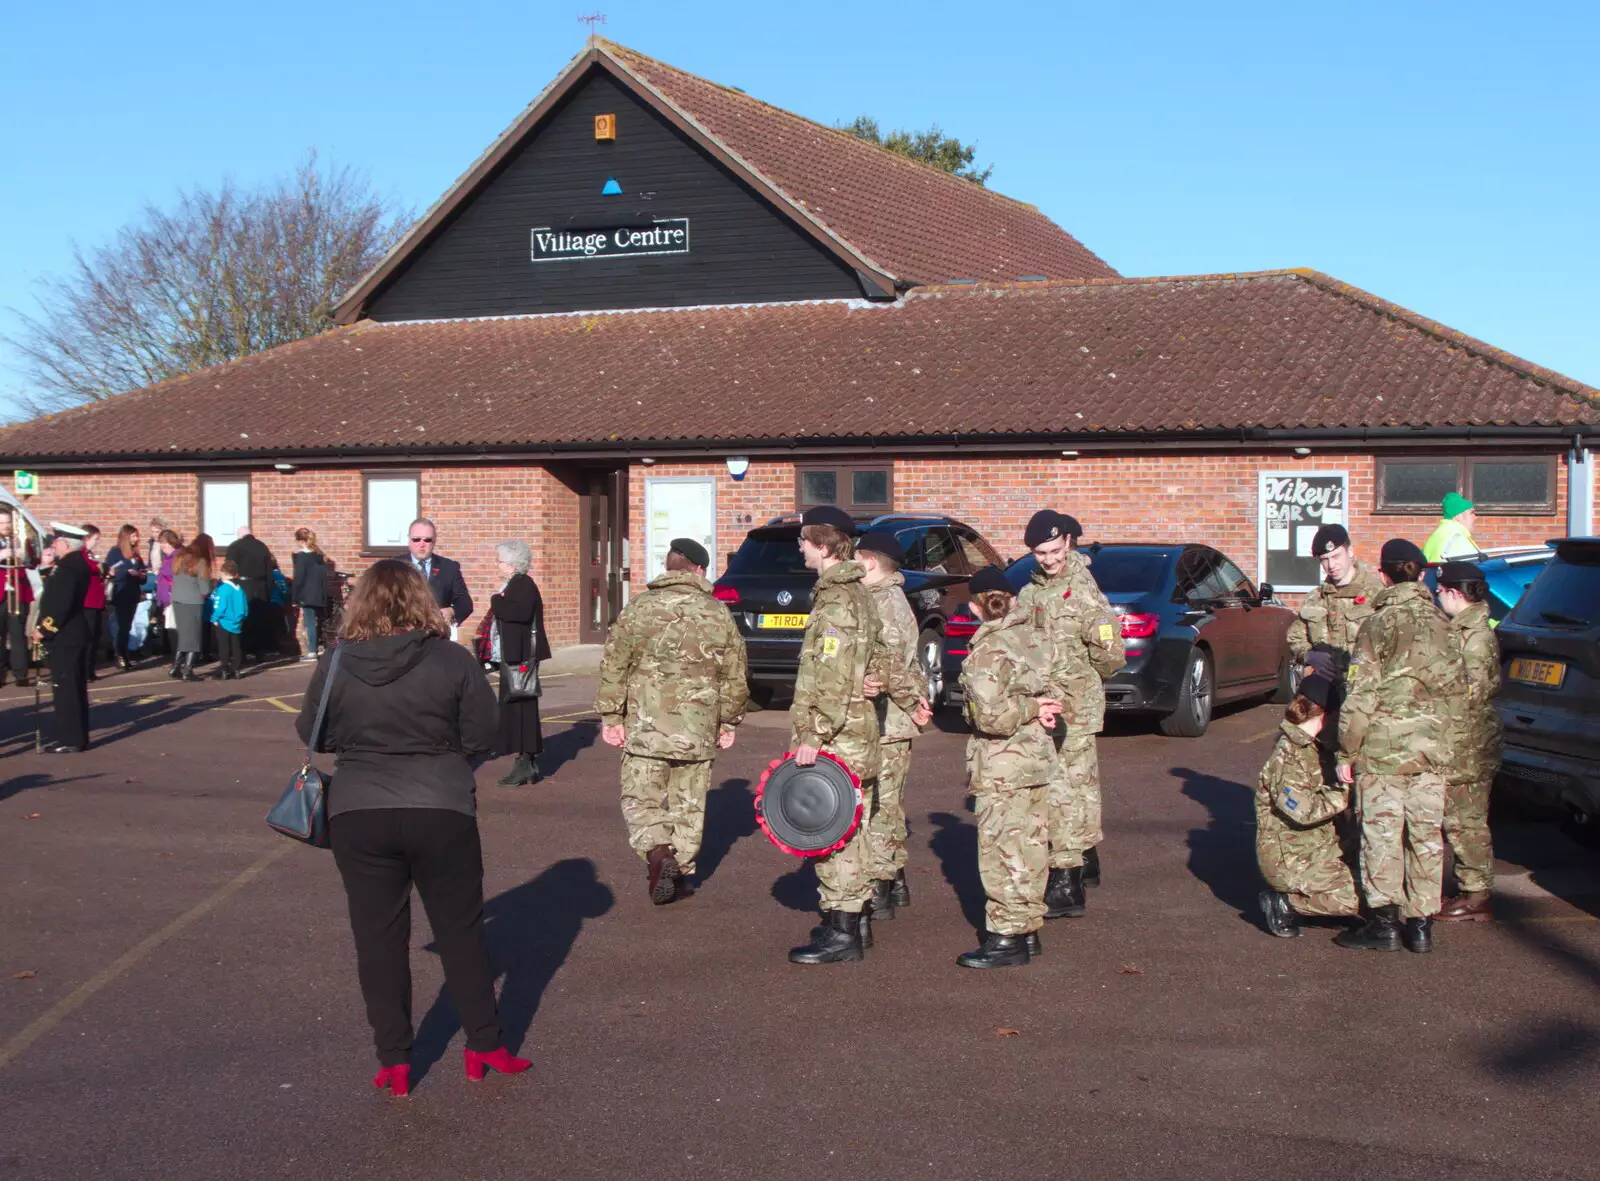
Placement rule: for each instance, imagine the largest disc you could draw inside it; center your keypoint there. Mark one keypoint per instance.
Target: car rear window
(1127, 572)
(768, 555)
(1566, 594)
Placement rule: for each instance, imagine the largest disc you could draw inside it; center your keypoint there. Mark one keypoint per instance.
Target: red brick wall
(766, 490)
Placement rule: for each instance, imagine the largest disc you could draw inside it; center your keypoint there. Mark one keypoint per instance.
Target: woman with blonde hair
(407, 713)
(310, 591)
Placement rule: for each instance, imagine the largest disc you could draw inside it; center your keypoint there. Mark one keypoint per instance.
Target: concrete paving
(180, 997)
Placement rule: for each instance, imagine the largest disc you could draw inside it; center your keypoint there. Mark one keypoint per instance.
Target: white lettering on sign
(668, 236)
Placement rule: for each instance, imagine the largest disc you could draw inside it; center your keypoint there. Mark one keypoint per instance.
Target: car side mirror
(1267, 592)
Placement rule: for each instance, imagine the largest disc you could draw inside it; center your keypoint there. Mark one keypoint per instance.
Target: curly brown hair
(995, 604)
(1302, 709)
(391, 597)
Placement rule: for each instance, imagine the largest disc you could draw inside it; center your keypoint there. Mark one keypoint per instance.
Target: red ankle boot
(396, 1078)
(500, 1059)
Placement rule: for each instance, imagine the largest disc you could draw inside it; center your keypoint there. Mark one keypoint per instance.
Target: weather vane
(593, 19)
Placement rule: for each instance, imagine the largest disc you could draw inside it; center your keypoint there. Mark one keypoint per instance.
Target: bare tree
(222, 274)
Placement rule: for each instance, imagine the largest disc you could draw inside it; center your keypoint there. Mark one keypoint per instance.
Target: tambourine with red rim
(809, 811)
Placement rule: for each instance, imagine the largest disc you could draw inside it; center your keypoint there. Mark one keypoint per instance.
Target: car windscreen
(777, 555)
(1129, 571)
(1565, 595)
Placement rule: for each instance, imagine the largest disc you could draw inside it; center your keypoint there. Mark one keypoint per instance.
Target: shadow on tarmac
(561, 748)
(21, 783)
(730, 817)
(1223, 854)
(955, 844)
(797, 889)
(112, 721)
(530, 929)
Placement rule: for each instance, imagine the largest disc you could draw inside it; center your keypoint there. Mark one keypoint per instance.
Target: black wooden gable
(735, 245)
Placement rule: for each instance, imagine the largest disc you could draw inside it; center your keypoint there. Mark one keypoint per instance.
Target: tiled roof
(1284, 350)
(918, 223)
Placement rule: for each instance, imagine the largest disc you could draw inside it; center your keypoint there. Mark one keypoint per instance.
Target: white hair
(515, 554)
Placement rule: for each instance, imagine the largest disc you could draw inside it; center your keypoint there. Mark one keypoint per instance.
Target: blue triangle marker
(612, 188)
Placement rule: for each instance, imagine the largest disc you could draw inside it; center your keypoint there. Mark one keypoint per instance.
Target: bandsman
(1085, 642)
(881, 557)
(64, 630)
(672, 688)
(1333, 613)
(1010, 758)
(1464, 597)
(1395, 731)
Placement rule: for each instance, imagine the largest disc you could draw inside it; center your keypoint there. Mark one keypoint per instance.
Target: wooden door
(604, 556)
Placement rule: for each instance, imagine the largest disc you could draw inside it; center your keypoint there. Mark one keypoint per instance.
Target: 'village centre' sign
(669, 236)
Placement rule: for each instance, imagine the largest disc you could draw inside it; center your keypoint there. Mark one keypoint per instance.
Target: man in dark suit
(65, 631)
(256, 564)
(443, 575)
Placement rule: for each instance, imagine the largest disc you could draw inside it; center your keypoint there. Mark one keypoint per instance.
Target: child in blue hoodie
(228, 607)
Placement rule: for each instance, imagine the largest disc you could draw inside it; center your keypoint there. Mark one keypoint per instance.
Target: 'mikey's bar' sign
(670, 236)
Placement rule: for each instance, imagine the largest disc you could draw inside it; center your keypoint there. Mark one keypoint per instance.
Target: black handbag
(301, 813)
(521, 680)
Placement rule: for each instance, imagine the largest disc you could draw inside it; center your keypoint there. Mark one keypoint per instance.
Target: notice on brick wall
(1292, 506)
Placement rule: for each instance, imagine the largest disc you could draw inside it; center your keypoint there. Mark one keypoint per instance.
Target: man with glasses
(442, 574)
(1333, 613)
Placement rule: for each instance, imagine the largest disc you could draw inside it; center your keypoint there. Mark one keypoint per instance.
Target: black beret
(690, 549)
(1400, 550)
(1461, 572)
(990, 578)
(827, 514)
(1319, 690)
(1043, 526)
(883, 543)
(1329, 537)
(1070, 526)
(1321, 660)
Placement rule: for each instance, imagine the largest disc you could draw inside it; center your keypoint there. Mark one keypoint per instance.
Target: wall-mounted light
(283, 467)
(1069, 455)
(1302, 451)
(646, 460)
(738, 465)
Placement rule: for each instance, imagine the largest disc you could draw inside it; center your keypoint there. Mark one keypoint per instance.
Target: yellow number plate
(786, 621)
(1538, 672)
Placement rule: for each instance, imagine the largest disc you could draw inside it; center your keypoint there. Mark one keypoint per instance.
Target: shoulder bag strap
(322, 706)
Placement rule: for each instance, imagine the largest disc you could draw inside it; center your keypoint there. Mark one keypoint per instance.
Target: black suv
(768, 589)
(1550, 690)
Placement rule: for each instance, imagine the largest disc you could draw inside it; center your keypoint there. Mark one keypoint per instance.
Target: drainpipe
(1580, 489)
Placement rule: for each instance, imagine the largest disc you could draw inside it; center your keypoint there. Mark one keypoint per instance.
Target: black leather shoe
(899, 890)
(997, 951)
(1381, 931)
(1035, 944)
(1277, 914)
(1091, 867)
(1418, 935)
(882, 901)
(61, 748)
(1063, 894)
(835, 940)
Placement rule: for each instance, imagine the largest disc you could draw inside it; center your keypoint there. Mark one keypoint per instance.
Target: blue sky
(1445, 156)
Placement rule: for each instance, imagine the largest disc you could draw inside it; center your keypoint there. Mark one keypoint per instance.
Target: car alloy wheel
(930, 651)
(1193, 714)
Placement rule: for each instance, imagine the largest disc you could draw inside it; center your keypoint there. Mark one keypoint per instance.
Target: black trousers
(230, 648)
(14, 637)
(69, 694)
(380, 852)
(95, 619)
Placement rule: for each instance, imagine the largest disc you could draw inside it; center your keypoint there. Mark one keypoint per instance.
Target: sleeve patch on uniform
(1106, 633)
(1288, 802)
(830, 645)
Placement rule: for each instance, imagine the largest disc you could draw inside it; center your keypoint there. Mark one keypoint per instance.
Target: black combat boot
(835, 940)
(900, 890)
(1381, 931)
(997, 951)
(1035, 944)
(1063, 894)
(663, 871)
(1278, 915)
(865, 927)
(881, 904)
(1419, 935)
(1091, 867)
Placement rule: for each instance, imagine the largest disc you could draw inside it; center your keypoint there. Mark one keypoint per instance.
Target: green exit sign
(27, 483)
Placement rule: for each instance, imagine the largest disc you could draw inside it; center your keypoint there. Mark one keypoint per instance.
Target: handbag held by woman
(302, 811)
(522, 680)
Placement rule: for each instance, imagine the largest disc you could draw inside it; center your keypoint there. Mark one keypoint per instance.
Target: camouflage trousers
(1402, 844)
(1307, 864)
(664, 803)
(1074, 801)
(844, 877)
(1466, 830)
(1013, 857)
(886, 833)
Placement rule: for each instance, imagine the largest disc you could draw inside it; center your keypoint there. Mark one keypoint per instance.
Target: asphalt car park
(180, 994)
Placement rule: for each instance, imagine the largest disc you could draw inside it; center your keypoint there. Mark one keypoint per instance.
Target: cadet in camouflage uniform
(1333, 613)
(672, 688)
(1463, 595)
(881, 557)
(1297, 842)
(1010, 757)
(842, 648)
(1085, 637)
(1394, 744)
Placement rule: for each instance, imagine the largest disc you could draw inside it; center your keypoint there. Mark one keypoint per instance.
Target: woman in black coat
(310, 590)
(518, 638)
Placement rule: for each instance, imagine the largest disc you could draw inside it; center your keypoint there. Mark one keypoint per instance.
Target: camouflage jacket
(1297, 783)
(673, 671)
(1081, 579)
(1477, 740)
(898, 626)
(842, 646)
(1332, 615)
(1405, 675)
(1007, 668)
(1085, 643)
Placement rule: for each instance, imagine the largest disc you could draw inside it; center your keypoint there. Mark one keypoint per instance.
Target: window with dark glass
(976, 549)
(863, 490)
(940, 555)
(1500, 484)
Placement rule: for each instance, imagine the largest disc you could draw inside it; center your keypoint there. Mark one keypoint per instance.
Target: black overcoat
(519, 612)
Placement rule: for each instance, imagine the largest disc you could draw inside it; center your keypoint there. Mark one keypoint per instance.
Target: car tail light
(1139, 627)
(961, 628)
(725, 594)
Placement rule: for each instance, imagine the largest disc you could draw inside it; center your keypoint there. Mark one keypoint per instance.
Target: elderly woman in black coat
(518, 638)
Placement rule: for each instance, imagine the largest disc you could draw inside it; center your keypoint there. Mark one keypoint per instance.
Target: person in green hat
(1453, 537)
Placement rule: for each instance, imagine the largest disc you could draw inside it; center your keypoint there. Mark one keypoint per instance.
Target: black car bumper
(1552, 783)
(773, 660)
